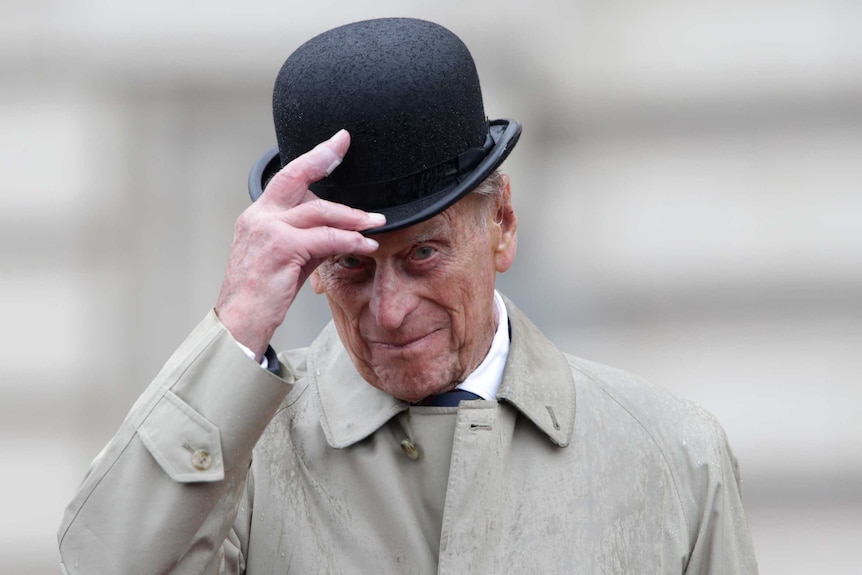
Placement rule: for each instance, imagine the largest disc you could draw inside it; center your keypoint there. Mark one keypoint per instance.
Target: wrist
(250, 338)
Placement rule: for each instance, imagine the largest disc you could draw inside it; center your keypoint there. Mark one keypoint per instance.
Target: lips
(401, 344)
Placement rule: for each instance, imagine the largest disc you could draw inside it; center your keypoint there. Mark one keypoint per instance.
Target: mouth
(402, 345)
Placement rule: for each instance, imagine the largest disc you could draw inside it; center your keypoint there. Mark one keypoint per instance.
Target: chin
(414, 388)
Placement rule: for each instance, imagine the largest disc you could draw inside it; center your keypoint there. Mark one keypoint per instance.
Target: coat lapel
(350, 408)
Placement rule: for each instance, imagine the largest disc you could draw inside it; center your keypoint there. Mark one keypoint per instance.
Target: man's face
(417, 316)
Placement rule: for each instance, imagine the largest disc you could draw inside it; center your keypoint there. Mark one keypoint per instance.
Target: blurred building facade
(688, 186)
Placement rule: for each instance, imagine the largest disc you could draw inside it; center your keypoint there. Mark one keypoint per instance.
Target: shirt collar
(485, 379)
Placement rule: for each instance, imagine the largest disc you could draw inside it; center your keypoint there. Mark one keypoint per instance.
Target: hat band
(382, 195)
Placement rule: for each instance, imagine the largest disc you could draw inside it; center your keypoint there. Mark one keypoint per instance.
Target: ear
(316, 282)
(505, 218)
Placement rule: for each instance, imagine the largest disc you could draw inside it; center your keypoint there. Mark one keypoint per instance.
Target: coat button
(202, 460)
(410, 449)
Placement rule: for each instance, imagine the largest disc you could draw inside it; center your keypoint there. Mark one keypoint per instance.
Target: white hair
(491, 189)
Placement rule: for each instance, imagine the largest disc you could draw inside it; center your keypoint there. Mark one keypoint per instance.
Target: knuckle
(242, 224)
(331, 234)
(322, 208)
(292, 172)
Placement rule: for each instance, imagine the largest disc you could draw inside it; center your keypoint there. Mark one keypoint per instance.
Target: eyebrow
(433, 229)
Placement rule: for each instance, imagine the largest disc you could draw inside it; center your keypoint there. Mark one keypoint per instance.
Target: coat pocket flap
(182, 441)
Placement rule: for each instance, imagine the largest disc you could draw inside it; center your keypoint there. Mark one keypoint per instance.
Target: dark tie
(449, 399)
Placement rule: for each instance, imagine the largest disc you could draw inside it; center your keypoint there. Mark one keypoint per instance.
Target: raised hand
(281, 238)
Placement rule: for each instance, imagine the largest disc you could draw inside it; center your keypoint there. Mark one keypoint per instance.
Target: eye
(423, 252)
(349, 262)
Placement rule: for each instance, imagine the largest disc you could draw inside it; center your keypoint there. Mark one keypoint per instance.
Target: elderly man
(431, 428)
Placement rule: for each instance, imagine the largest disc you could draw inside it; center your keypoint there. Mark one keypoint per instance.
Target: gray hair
(491, 189)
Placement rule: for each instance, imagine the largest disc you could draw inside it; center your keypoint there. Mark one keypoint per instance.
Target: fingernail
(377, 219)
(335, 163)
(372, 243)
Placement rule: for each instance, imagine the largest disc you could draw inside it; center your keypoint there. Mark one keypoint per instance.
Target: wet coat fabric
(222, 467)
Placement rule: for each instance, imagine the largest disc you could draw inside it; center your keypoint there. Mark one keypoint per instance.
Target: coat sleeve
(723, 544)
(164, 494)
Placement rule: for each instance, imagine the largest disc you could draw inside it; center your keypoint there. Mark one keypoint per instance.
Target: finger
(289, 187)
(319, 212)
(324, 241)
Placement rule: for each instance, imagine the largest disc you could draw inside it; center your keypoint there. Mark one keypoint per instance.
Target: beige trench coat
(222, 467)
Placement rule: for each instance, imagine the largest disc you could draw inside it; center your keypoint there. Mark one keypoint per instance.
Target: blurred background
(688, 185)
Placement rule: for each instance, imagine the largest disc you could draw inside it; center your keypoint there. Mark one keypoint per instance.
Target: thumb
(289, 186)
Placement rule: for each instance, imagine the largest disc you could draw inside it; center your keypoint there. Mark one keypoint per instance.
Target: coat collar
(537, 381)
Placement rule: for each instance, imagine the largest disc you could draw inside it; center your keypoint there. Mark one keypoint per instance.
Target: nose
(392, 298)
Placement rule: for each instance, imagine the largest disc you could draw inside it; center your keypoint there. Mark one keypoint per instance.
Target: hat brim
(504, 132)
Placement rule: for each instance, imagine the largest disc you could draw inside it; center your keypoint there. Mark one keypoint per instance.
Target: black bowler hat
(408, 92)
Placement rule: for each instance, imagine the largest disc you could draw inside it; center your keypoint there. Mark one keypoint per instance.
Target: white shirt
(485, 381)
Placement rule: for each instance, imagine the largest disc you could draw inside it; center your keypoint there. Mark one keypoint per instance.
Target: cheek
(346, 303)
(346, 298)
(347, 325)
(477, 299)
(345, 313)
(467, 304)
